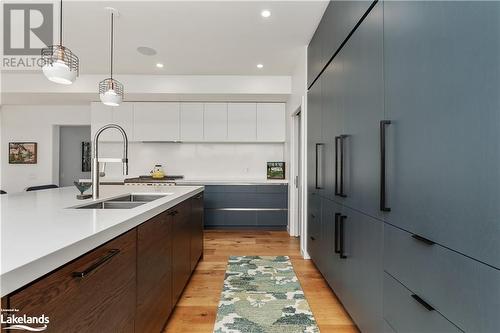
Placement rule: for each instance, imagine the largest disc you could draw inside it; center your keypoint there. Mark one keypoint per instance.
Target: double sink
(125, 202)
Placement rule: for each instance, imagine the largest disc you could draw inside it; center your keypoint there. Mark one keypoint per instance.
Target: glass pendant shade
(60, 65)
(111, 92)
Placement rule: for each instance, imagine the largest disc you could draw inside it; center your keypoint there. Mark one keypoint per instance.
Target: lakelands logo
(10, 321)
(27, 28)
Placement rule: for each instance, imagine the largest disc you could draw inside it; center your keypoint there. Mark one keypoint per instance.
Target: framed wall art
(275, 170)
(22, 152)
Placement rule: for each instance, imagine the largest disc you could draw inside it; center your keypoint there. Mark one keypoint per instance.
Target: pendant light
(111, 90)
(60, 65)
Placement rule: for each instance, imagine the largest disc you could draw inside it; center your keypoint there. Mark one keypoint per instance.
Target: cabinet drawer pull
(312, 238)
(422, 302)
(199, 196)
(172, 213)
(111, 253)
(423, 239)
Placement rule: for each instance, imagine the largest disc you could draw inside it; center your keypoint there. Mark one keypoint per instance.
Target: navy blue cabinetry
(246, 206)
(338, 21)
(416, 82)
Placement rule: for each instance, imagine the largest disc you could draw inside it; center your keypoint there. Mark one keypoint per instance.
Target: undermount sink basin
(112, 205)
(128, 201)
(140, 197)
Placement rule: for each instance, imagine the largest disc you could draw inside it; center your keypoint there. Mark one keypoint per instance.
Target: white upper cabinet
(215, 122)
(157, 121)
(191, 122)
(122, 115)
(241, 121)
(271, 122)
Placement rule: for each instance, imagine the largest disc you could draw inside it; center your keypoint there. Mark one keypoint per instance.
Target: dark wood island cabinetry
(129, 284)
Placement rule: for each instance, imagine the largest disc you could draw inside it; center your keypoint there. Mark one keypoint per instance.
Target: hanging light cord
(111, 45)
(61, 24)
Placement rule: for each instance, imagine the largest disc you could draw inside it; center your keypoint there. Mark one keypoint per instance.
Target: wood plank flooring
(197, 308)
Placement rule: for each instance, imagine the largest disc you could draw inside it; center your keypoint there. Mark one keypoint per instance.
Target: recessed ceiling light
(159, 65)
(265, 13)
(147, 51)
(259, 66)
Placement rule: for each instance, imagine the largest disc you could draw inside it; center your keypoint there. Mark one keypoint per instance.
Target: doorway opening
(74, 154)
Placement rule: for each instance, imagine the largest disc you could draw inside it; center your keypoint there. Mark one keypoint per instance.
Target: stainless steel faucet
(96, 159)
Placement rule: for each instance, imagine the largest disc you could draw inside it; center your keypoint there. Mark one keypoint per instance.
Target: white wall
(38, 124)
(296, 100)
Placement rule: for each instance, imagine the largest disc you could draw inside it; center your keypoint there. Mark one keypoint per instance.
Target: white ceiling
(192, 38)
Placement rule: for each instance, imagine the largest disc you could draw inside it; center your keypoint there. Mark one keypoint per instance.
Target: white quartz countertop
(39, 231)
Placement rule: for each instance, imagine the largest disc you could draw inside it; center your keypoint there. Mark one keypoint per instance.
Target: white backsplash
(222, 161)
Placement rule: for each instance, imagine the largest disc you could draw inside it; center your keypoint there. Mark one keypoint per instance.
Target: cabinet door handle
(319, 168)
(342, 140)
(337, 139)
(383, 206)
(339, 159)
(341, 237)
(199, 196)
(111, 253)
(423, 239)
(336, 233)
(172, 213)
(312, 238)
(422, 302)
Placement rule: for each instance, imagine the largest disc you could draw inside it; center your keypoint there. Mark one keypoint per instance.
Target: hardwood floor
(197, 308)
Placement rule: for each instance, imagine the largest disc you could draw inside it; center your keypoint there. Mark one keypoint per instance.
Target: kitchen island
(99, 269)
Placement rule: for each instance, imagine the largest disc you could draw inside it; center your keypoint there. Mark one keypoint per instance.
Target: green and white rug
(263, 295)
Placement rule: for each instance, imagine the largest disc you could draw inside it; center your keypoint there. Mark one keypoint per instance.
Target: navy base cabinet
(246, 207)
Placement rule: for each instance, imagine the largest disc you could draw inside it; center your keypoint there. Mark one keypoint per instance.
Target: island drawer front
(88, 303)
(405, 314)
(463, 290)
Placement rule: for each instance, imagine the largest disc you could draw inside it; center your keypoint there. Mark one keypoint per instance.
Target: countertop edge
(23, 275)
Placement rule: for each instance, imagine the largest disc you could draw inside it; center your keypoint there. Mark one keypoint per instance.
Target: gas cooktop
(149, 179)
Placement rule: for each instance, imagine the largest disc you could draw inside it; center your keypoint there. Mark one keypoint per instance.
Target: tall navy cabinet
(444, 157)
(404, 163)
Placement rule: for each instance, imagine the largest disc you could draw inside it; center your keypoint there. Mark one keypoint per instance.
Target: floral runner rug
(262, 294)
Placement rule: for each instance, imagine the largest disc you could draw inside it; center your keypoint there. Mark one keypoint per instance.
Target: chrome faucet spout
(95, 155)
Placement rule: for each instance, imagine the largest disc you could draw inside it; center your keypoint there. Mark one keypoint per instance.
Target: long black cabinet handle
(336, 233)
(342, 140)
(341, 236)
(383, 205)
(339, 159)
(319, 173)
(422, 302)
(111, 253)
(423, 239)
(337, 140)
